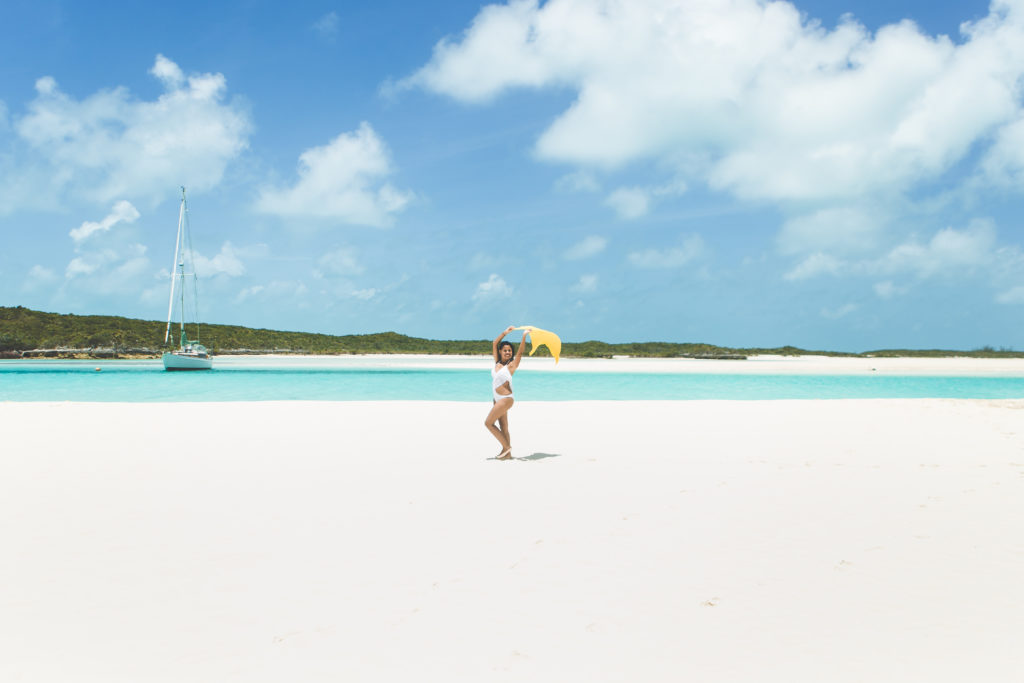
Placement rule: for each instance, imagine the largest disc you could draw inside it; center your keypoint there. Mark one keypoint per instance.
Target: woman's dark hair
(508, 344)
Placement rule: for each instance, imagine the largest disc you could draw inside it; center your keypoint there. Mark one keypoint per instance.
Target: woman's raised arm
(514, 365)
(494, 345)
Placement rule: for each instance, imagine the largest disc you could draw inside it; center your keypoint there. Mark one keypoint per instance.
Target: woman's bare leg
(498, 411)
(503, 426)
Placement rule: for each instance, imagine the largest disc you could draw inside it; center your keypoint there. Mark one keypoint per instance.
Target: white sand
(876, 540)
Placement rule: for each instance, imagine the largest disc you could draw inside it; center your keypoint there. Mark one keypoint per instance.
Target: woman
(506, 362)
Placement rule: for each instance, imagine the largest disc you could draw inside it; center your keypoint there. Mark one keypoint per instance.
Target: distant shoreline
(25, 333)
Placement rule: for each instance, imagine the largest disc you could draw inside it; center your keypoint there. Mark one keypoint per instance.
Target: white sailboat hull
(176, 360)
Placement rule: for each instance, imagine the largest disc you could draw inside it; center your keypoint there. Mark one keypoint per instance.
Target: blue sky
(829, 175)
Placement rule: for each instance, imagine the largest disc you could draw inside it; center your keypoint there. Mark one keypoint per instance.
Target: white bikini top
(500, 376)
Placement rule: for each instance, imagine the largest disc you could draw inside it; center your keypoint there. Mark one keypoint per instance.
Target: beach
(818, 540)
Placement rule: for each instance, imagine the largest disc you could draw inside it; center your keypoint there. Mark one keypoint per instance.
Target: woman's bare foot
(505, 454)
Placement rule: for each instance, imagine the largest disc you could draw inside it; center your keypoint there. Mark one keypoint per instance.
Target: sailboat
(190, 354)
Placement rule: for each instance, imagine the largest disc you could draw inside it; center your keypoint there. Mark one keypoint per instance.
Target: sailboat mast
(174, 266)
(181, 262)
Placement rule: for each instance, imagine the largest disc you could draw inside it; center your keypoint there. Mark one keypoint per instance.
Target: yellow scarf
(539, 337)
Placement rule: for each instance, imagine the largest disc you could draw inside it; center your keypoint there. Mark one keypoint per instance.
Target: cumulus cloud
(635, 202)
(948, 253)
(276, 289)
(840, 229)
(629, 202)
(770, 104)
(840, 312)
(1004, 161)
(578, 181)
(343, 180)
(494, 288)
(585, 285)
(364, 294)
(39, 277)
(949, 250)
(814, 265)
(226, 262)
(168, 72)
(327, 26)
(123, 211)
(1014, 295)
(588, 247)
(485, 260)
(111, 144)
(673, 257)
(110, 270)
(887, 290)
(107, 258)
(341, 261)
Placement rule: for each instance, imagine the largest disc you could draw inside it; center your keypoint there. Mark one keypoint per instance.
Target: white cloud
(586, 284)
(276, 289)
(949, 250)
(335, 269)
(363, 294)
(837, 313)
(38, 277)
(169, 73)
(635, 202)
(777, 106)
(483, 261)
(948, 253)
(107, 260)
(843, 229)
(342, 180)
(675, 257)
(327, 25)
(578, 181)
(814, 265)
(588, 247)
(341, 261)
(109, 270)
(248, 293)
(629, 202)
(494, 288)
(226, 262)
(888, 290)
(111, 144)
(493, 55)
(1014, 295)
(1004, 161)
(123, 211)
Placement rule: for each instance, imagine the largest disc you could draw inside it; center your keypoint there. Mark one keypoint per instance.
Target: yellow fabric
(539, 337)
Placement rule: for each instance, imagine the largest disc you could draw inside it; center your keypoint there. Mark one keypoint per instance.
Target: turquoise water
(146, 381)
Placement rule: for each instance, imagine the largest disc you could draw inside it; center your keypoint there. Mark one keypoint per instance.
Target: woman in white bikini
(506, 362)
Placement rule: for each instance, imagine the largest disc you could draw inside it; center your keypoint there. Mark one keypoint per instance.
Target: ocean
(462, 379)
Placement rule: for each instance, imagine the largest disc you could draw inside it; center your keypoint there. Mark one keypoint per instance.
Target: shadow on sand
(540, 456)
(534, 456)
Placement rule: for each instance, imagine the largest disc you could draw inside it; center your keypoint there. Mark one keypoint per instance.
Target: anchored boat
(190, 354)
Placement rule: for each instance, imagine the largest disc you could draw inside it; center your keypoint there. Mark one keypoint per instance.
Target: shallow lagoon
(362, 378)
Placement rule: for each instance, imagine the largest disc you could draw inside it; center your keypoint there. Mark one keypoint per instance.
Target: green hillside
(25, 330)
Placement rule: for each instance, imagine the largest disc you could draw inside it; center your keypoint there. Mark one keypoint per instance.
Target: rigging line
(174, 266)
(195, 276)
